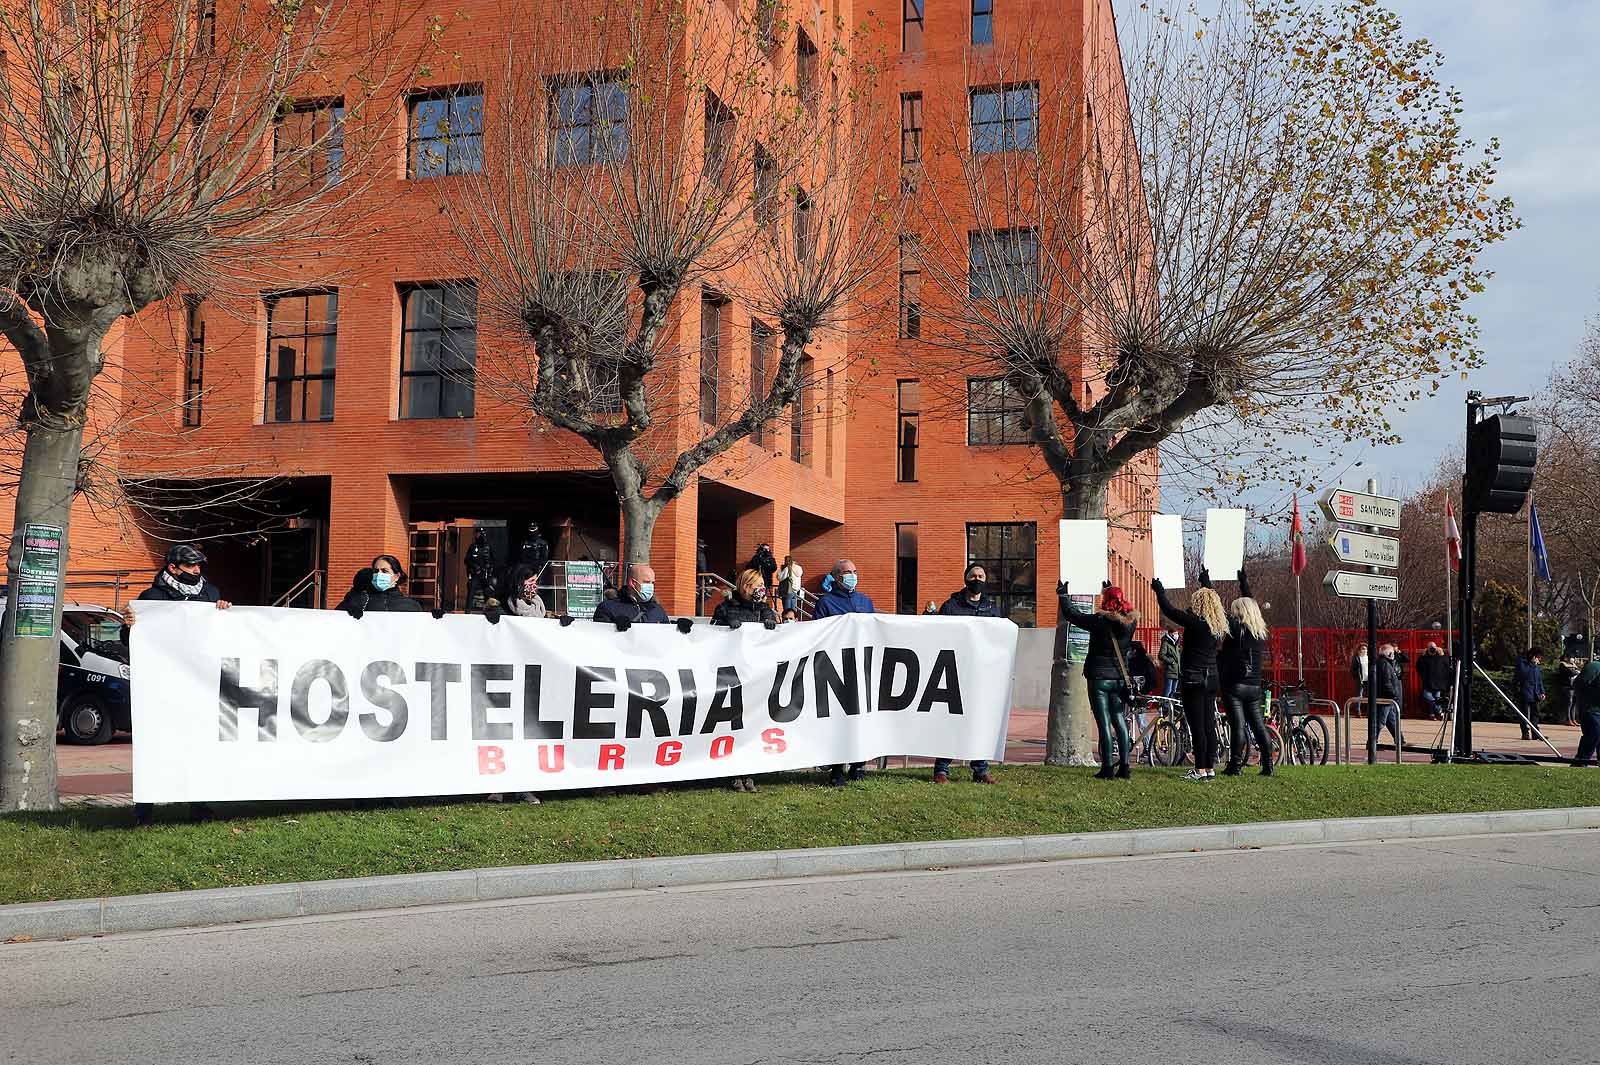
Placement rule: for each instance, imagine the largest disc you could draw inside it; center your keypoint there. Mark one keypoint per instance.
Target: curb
(219, 906)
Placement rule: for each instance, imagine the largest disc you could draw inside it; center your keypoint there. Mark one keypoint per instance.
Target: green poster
(39, 583)
(585, 588)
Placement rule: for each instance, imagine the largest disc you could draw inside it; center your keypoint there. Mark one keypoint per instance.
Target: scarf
(188, 591)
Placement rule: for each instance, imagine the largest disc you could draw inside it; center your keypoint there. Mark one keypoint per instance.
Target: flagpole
(1299, 636)
(1530, 571)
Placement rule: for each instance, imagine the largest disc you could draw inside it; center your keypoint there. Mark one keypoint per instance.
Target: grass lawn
(86, 853)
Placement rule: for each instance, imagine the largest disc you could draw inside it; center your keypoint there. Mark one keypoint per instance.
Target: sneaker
(738, 783)
(836, 779)
(941, 778)
(530, 798)
(750, 785)
(495, 796)
(982, 778)
(1195, 774)
(858, 772)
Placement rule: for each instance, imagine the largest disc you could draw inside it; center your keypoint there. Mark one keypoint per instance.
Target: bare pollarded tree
(151, 147)
(676, 157)
(1229, 232)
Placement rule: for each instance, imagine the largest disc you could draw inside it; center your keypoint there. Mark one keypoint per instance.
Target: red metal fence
(1327, 654)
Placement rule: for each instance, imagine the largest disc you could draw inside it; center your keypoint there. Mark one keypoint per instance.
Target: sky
(1528, 75)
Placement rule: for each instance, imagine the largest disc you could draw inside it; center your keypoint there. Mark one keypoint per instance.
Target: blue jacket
(840, 601)
(1530, 679)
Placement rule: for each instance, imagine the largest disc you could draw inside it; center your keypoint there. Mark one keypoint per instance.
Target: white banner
(264, 703)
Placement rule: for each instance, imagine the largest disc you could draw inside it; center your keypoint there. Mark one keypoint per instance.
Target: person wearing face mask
(969, 602)
(382, 591)
(747, 605)
(635, 601)
(840, 598)
(179, 580)
(520, 596)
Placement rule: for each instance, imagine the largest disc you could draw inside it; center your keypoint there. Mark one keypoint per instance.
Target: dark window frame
(763, 345)
(1000, 565)
(299, 379)
(447, 331)
(194, 360)
(800, 450)
(997, 415)
(913, 25)
(765, 187)
(332, 146)
(1006, 131)
(565, 118)
(910, 316)
(908, 429)
(721, 135)
(910, 128)
(906, 597)
(713, 307)
(807, 65)
(982, 21)
(205, 27)
(805, 236)
(1018, 273)
(462, 149)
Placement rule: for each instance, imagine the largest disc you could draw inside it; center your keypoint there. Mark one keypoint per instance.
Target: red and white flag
(1297, 540)
(1452, 535)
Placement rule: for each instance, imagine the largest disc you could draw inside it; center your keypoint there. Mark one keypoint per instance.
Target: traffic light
(1501, 454)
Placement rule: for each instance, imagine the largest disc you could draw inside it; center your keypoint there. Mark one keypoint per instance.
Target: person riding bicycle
(1239, 663)
(1110, 631)
(1204, 626)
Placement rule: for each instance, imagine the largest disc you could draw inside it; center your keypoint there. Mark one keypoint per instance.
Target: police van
(92, 691)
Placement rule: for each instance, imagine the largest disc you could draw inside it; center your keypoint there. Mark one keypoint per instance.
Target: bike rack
(1333, 707)
(1399, 727)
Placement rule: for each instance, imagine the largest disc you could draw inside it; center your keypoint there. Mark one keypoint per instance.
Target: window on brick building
(806, 63)
(997, 413)
(1007, 554)
(721, 129)
(588, 120)
(911, 127)
(911, 25)
(827, 434)
(321, 124)
(302, 340)
(765, 205)
(982, 21)
(1003, 263)
(910, 291)
(194, 359)
(711, 308)
(205, 29)
(800, 419)
(767, 22)
(438, 350)
(805, 222)
(445, 133)
(905, 568)
(1005, 118)
(908, 429)
(763, 342)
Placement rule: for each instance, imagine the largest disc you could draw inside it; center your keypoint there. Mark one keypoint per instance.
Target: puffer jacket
(626, 608)
(959, 606)
(742, 611)
(369, 598)
(1109, 634)
(1239, 659)
(1200, 644)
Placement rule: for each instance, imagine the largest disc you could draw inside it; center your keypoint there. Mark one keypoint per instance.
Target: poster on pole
(1224, 550)
(1166, 546)
(39, 582)
(585, 588)
(1084, 555)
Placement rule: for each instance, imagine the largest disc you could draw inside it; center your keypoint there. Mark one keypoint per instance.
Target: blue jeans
(1435, 702)
(1589, 745)
(942, 765)
(1171, 689)
(1386, 716)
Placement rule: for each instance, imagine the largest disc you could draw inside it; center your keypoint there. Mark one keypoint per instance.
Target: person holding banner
(747, 604)
(842, 598)
(1204, 626)
(1239, 665)
(1110, 630)
(969, 602)
(382, 591)
(635, 602)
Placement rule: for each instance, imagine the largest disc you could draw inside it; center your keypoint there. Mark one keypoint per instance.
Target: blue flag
(1541, 561)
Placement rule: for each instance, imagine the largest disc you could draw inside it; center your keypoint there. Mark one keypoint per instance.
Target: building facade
(335, 404)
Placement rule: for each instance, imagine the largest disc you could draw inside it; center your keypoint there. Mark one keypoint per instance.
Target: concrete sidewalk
(103, 776)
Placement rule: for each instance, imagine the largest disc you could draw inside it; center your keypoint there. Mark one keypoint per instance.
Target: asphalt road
(1452, 951)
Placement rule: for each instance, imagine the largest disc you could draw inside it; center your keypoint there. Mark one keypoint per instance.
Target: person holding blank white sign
(1110, 632)
(1204, 626)
(1240, 662)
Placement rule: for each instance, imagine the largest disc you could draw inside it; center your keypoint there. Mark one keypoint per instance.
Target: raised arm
(1170, 612)
(1070, 612)
(1244, 586)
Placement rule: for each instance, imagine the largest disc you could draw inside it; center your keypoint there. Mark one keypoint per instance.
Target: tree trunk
(28, 666)
(1070, 737)
(638, 530)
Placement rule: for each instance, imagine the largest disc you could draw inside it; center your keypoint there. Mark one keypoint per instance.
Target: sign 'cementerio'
(315, 704)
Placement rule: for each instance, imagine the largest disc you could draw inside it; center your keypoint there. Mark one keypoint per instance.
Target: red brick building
(900, 467)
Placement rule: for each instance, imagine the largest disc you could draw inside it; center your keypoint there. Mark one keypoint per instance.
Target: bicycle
(1306, 732)
(1166, 741)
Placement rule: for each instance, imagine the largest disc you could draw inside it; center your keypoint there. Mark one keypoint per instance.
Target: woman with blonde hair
(1204, 626)
(748, 603)
(1239, 663)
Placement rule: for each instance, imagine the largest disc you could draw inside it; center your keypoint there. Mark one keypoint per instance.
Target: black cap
(185, 555)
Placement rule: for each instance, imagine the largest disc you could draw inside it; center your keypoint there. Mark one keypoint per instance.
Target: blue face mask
(383, 581)
(647, 591)
(849, 580)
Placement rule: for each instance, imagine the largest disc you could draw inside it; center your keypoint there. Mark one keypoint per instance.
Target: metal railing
(120, 581)
(311, 582)
(1399, 727)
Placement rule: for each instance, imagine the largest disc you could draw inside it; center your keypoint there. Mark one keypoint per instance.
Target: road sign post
(1365, 549)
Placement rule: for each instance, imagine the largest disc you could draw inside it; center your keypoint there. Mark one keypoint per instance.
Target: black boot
(1123, 772)
(1104, 774)
(1232, 770)
(1266, 767)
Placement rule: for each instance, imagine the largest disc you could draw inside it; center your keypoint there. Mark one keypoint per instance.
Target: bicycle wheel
(1276, 741)
(1226, 740)
(1316, 732)
(1302, 748)
(1165, 745)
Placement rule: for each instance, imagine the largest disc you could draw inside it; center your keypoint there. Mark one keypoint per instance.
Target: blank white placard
(1166, 544)
(1224, 553)
(1084, 551)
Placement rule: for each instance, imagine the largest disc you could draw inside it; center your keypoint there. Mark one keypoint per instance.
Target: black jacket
(393, 600)
(1199, 663)
(959, 606)
(1434, 672)
(1108, 634)
(1239, 659)
(1391, 676)
(765, 561)
(625, 608)
(160, 591)
(743, 611)
(1142, 666)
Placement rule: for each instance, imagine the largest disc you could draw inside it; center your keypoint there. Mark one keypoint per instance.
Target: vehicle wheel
(1302, 748)
(1277, 743)
(86, 720)
(1165, 745)
(1317, 734)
